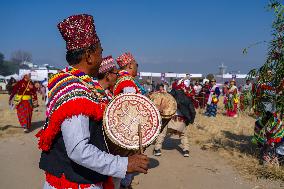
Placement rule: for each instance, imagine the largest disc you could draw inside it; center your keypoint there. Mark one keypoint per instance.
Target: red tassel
(123, 84)
(108, 184)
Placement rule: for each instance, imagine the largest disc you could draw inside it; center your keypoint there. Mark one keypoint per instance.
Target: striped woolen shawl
(69, 95)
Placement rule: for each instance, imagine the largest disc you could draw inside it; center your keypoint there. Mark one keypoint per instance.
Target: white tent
(16, 76)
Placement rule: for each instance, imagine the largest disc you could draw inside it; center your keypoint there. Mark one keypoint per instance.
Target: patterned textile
(78, 31)
(70, 92)
(265, 94)
(231, 102)
(126, 80)
(20, 88)
(211, 110)
(124, 59)
(245, 100)
(102, 95)
(204, 95)
(213, 99)
(24, 112)
(271, 132)
(62, 183)
(107, 64)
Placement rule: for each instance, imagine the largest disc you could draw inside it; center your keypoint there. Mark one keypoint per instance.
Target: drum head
(122, 116)
(169, 101)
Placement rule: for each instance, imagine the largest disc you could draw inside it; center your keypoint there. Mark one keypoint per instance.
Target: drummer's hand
(138, 163)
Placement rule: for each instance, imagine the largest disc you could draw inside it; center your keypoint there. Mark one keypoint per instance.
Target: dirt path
(203, 169)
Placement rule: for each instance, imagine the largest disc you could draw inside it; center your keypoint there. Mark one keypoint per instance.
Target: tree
(275, 56)
(1, 58)
(20, 56)
(210, 76)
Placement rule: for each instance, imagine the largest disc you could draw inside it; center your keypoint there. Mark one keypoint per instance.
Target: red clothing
(62, 183)
(232, 112)
(174, 85)
(20, 87)
(190, 92)
(204, 95)
(124, 80)
(25, 112)
(25, 107)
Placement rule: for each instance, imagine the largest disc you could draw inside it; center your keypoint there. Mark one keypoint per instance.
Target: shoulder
(124, 82)
(62, 80)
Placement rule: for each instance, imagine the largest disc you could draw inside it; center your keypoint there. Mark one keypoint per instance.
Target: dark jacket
(184, 105)
(57, 162)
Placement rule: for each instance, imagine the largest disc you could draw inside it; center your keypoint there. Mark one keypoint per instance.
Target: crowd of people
(74, 150)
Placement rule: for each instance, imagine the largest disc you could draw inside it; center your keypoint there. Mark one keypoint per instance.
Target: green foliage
(1, 58)
(8, 68)
(210, 76)
(275, 56)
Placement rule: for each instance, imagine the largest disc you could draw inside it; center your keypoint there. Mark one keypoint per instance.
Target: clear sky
(164, 35)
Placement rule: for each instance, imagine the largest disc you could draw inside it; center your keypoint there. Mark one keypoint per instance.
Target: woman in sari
(24, 98)
(232, 100)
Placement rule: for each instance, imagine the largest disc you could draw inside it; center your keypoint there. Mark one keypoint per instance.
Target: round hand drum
(121, 119)
(168, 104)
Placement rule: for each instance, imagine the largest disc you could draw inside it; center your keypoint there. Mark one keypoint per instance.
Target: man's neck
(130, 72)
(81, 68)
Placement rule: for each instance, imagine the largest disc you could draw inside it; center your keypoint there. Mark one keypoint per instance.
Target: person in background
(213, 99)
(148, 86)
(246, 96)
(108, 74)
(184, 116)
(174, 84)
(126, 82)
(37, 87)
(225, 88)
(232, 100)
(153, 86)
(24, 98)
(166, 86)
(205, 92)
(44, 90)
(197, 89)
(162, 89)
(11, 83)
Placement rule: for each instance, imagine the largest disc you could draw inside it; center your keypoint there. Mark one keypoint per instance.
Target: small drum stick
(140, 139)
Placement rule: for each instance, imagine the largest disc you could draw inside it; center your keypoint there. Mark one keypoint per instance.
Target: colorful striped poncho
(126, 80)
(272, 132)
(71, 93)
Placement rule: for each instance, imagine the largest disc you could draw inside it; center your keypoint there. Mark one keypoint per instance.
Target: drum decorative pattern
(170, 104)
(122, 117)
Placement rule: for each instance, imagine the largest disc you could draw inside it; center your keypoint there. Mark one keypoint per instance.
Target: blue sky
(164, 35)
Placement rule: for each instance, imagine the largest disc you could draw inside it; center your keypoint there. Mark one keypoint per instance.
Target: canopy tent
(16, 76)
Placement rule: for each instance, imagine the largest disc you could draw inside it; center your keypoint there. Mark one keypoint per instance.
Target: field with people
(221, 155)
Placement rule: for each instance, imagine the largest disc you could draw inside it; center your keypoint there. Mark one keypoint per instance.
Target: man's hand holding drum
(138, 163)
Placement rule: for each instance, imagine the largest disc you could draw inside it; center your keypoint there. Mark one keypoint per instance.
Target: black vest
(57, 162)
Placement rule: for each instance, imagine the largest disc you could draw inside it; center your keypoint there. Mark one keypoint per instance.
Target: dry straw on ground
(231, 138)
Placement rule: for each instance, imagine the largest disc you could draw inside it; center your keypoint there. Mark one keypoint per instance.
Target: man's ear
(130, 66)
(88, 56)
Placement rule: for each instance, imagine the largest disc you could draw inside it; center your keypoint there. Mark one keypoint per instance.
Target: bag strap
(25, 89)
